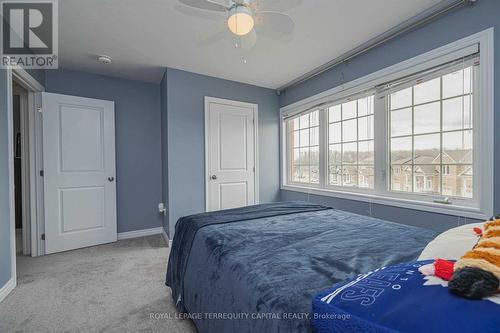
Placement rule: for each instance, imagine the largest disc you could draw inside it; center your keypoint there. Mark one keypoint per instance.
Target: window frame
(289, 167)
(326, 124)
(481, 206)
(428, 197)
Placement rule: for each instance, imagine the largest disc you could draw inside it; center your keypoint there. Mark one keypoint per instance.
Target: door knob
(110, 179)
(214, 177)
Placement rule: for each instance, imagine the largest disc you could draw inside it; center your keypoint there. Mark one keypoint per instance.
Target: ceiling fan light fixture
(240, 20)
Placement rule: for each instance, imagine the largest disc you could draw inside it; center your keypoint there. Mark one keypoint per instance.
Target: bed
(257, 268)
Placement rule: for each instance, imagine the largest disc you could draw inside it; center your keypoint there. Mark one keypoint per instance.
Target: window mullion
(288, 153)
(323, 148)
(380, 144)
(479, 141)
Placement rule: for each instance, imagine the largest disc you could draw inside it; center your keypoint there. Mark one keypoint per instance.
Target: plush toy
(477, 273)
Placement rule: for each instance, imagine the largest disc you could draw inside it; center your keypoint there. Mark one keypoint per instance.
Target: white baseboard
(7, 288)
(165, 237)
(140, 233)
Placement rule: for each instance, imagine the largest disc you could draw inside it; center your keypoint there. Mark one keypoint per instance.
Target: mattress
(260, 274)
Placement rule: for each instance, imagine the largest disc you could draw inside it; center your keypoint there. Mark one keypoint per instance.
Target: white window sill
(447, 209)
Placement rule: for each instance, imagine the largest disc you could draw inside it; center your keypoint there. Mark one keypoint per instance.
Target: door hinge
(39, 109)
(42, 173)
(43, 237)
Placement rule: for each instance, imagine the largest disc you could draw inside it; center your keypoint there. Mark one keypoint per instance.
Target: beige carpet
(117, 287)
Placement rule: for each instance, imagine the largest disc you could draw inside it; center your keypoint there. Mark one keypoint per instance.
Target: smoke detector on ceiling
(104, 59)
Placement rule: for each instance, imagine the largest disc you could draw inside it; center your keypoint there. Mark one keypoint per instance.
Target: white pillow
(451, 244)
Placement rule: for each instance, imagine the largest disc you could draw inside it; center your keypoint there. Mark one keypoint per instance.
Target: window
(304, 140)
(431, 133)
(350, 143)
(411, 135)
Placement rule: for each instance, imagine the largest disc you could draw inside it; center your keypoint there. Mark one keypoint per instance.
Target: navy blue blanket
(187, 227)
(259, 273)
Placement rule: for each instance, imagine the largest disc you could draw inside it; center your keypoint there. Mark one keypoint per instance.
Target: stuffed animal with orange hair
(477, 273)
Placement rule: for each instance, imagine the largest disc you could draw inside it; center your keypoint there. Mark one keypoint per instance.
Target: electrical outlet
(162, 209)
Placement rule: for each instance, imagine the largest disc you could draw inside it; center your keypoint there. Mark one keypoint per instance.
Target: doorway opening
(20, 148)
(25, 159)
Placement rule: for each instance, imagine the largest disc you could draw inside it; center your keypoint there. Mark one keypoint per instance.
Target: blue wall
(37, 74)
(186, 139)
(5, 264)
(138, 140)
(455, 25)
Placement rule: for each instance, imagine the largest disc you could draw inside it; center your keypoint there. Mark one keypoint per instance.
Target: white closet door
(230, 154)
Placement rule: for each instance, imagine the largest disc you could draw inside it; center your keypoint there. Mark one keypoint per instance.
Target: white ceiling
(145, 36)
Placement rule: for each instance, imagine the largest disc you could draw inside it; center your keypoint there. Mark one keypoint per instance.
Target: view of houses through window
(350, 143)
(431, 136)
(304, 136)
(426, 144)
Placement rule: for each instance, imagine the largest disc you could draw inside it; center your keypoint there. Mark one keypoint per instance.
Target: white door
(230, 153)
(79, 172)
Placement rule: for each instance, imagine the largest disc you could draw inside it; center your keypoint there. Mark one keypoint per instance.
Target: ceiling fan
(243, 17)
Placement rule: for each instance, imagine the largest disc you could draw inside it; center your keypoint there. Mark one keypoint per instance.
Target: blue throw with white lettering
(400, 299)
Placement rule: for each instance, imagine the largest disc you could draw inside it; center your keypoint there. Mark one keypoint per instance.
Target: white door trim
(26, 80)
(33, 86)
(35, 158)
(25, 168)
(10, 129)
(255, 108)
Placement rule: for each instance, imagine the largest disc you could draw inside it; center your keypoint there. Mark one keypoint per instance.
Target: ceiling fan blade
(274, 21)
(274, 5)
(206, 4)
(213, 37)
(248, 41)
(201, 14)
